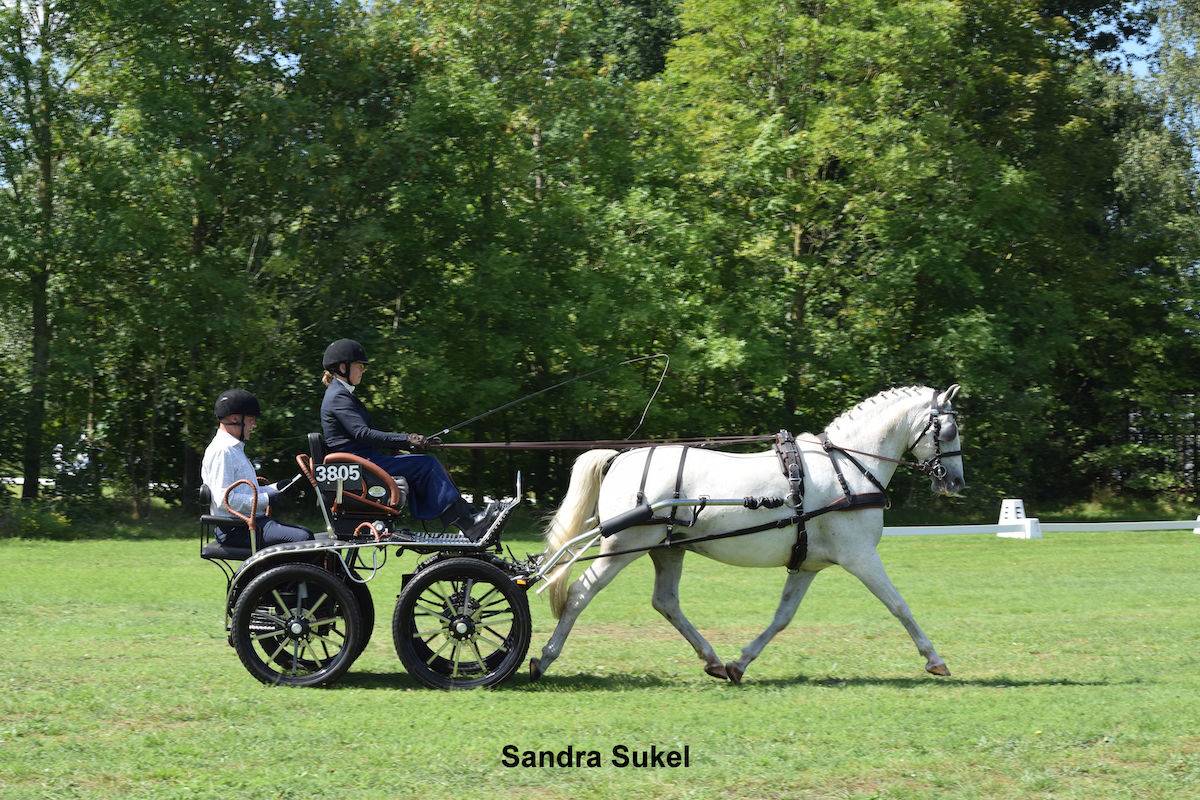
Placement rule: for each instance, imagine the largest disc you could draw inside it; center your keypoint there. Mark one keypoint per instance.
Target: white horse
(605, 483)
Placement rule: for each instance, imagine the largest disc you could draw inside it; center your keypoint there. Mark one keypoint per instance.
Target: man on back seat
(225, 463)
(347, 428)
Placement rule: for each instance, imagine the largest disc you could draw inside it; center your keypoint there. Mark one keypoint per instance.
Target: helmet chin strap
(241, 426)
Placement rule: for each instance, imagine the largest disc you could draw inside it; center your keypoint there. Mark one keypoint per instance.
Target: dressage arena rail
(1013, 524)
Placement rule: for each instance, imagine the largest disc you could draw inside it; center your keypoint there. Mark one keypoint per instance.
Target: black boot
(476, 526)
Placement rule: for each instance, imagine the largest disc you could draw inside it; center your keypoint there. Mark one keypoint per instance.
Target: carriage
(300, 613)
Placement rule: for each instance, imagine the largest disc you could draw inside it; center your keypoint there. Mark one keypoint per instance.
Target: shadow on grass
(519, 682)
(635, 681)
(834, 682)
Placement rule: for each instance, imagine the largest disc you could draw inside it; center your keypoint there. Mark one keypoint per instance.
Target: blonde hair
(327, 377)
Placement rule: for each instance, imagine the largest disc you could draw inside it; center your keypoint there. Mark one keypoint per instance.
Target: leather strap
(641, 495)
(678, 485)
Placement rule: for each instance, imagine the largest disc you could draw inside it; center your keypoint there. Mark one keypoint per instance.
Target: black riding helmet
(237, 401)
(343, 351)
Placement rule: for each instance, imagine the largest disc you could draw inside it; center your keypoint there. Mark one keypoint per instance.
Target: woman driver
(347, 428)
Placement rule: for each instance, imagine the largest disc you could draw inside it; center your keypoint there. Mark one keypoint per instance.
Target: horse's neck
(886, 433)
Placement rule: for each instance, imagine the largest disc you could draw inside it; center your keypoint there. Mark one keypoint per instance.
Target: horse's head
(937, 445)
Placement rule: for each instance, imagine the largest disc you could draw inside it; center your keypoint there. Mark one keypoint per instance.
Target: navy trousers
(431, 490)
(270, 531)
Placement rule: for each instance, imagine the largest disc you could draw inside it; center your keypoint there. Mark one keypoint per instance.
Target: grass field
(1075, 660)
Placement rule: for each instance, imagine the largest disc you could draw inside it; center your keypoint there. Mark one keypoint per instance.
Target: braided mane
(877, 403)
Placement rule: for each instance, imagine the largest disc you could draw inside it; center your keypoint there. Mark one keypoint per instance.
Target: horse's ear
(948, 395)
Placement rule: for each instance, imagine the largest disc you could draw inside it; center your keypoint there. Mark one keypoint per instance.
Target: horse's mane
(879, 402)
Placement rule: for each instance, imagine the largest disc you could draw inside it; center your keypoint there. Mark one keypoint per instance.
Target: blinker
(949, 431)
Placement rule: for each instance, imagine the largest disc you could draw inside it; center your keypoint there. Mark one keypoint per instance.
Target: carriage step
(439, 539)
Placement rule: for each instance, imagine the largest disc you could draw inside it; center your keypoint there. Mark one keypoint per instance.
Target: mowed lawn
(1076, 666)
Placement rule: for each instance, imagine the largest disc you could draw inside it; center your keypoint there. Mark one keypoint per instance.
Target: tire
(278, 606)
(468, 610)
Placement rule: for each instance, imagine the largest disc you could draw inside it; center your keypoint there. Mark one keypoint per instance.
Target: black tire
(278, 606)
(480, 597)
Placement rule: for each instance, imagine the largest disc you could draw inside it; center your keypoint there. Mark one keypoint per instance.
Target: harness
(792, 466)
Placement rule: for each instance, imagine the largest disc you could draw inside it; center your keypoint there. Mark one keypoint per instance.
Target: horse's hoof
(717, 671)
(734, 672)
(535, 669)
(941, 670)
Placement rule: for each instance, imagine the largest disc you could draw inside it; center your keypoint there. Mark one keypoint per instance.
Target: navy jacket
(346, 425)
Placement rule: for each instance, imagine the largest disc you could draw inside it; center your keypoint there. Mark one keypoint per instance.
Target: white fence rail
(1013, 524)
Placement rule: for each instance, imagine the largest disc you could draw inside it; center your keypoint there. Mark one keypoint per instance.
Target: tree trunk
(39, 367)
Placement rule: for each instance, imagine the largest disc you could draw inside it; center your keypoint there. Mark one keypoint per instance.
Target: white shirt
(225, 463)
(349, 386)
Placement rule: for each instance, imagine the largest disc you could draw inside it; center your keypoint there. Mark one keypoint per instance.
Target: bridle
(933, 466)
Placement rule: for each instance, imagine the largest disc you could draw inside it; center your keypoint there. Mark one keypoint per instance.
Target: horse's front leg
(868, 568)
(593, 579)
(668, 567)
(793, 592)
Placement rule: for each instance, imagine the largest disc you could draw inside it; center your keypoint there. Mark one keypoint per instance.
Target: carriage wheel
(461, 624)
(297, 625)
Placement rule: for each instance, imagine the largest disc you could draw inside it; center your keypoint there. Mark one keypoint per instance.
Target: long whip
(560, 384)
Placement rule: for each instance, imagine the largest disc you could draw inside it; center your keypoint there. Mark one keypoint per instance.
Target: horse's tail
(568, 521)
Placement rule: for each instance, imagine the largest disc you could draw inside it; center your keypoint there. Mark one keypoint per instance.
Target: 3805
(338, 472)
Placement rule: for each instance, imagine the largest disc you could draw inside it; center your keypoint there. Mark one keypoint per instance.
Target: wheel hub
(297, 628)
(462, 628)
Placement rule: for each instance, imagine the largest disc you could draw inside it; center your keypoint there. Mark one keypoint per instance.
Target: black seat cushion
(229, 523)
(218, 550)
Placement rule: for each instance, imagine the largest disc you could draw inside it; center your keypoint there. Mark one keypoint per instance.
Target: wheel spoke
(324, 639)
(493, 617)
(499, 643)
(428, 632)
(278, 650)
(301, 593)
(326, 621)
(317, 605)
(422, 612)
(436, 594)
(439, 652)
(454, 660)
(279, 599)
(430, 611)
(271, 634)
(486, 595)
(495, 602)
(466, 595)
(309, 647)
(269, 617)
(478, 655)
(295, 670)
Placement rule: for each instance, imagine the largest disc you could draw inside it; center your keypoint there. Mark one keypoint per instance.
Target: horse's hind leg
(793, 592)
(868, 568)
(668, 566)
(594, 578)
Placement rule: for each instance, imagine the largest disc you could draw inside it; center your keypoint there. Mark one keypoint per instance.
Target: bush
(33, 520)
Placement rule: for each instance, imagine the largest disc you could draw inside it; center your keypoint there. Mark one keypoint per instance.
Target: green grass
(1075, 676)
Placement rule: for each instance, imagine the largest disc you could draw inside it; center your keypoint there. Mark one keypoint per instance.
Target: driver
(347, 428)
(225, 463)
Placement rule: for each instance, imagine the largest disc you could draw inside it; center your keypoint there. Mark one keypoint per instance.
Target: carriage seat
(366, 489)
(215, 549)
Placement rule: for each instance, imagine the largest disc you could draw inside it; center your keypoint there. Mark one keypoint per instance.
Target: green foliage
(801, 203)
(33, 520)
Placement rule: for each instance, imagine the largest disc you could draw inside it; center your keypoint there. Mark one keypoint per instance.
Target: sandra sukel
(621, 755)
